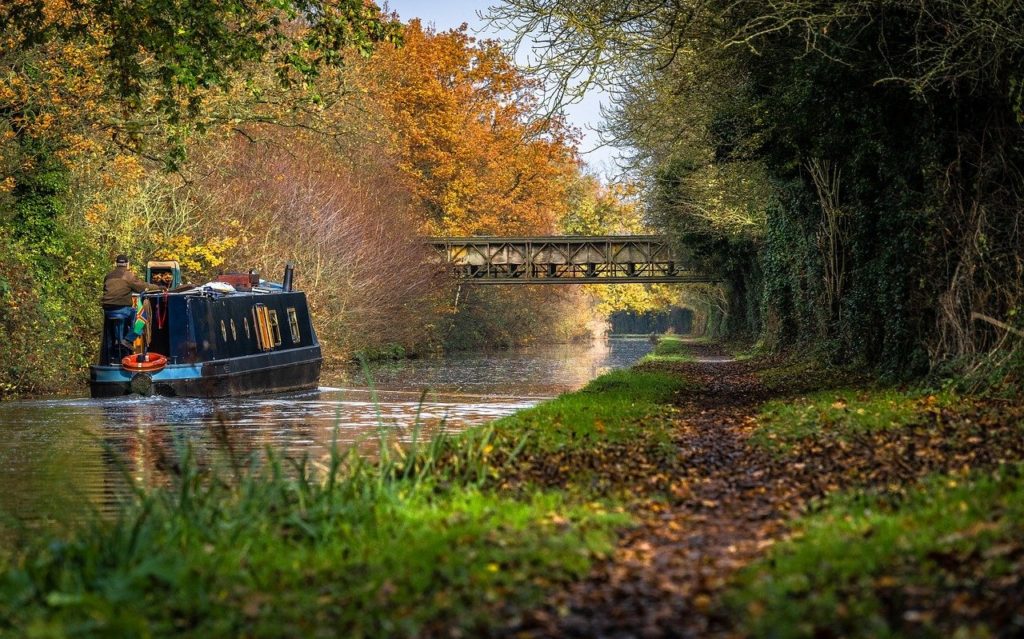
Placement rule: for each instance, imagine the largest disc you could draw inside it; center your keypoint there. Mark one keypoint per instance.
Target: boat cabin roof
(218, 289)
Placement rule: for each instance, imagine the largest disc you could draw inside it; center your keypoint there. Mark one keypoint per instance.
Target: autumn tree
(466, 126)
(596, 208)
(88, 92)
(152, 65)
(294, 197)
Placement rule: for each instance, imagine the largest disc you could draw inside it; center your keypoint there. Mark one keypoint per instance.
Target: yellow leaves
(597, 209)
(124, 172)
(7, 185)
(127, 167)
(197, 257)
(78, 148)
(44, 122)
(94, 213)
(57, 12)
(634, 298)
(55, 89)
(13, 89)
(887, 581)
(702, 603)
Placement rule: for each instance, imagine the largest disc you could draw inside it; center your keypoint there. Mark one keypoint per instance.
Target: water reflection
(59, 458)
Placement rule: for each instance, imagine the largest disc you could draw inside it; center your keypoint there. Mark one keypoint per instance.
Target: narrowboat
(236, 336)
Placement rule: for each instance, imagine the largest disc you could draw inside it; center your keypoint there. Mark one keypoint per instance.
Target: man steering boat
(118, 309)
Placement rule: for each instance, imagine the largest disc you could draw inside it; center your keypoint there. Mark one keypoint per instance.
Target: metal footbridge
(606, 259)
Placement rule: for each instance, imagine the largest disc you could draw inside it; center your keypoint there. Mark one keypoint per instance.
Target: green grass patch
(618, 407)
(941, 562)
(806, 374)
(742, 351)
(670, 345)
(844, 413)
(671, 348)
(367, 550)
(667, 359)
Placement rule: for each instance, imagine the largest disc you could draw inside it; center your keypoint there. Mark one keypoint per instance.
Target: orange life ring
(154, 362)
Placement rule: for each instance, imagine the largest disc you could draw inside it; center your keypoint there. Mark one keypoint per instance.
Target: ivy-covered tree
(853, 170)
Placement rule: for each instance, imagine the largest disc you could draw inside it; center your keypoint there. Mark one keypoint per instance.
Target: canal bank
(642, 503)
(65, 455)
(421, 540)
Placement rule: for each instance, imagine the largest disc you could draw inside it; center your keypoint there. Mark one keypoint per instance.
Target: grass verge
(844, 413)
(619, 407)
(945, 560)
(610, 440)
(288, 554)
(672, 348)
(426, 540)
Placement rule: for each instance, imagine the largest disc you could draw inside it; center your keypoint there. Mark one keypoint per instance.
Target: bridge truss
(622, 259)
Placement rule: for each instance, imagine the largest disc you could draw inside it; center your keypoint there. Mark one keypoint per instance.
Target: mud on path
(731, 501)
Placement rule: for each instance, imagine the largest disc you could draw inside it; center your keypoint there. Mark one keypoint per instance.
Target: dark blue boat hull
(288, 370)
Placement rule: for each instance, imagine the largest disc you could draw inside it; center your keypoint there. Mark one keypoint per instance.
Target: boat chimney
(289, 276)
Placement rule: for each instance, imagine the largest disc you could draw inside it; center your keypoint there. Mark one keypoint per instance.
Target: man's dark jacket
(118, 287)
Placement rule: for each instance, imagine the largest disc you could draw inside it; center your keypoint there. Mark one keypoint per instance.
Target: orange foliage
(91, 79)
(52, 90)
(465, 124)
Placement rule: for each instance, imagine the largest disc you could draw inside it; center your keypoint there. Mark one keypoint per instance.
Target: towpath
(666, 572)
(733, 501)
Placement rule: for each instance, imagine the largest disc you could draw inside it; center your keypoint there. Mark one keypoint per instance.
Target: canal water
(60, 458)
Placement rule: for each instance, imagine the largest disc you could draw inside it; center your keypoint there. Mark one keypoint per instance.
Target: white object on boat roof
(218, 287)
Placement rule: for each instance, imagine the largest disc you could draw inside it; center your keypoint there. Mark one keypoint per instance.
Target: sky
(449, 14)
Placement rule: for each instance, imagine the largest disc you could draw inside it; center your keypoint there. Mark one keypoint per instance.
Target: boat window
(256, 326)
(293, 324)
(245, 324)
(275, 327)
(234, 333)
(223, 331)
(261, 323)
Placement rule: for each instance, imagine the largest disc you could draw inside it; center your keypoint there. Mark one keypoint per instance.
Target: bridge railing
(563, 260)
